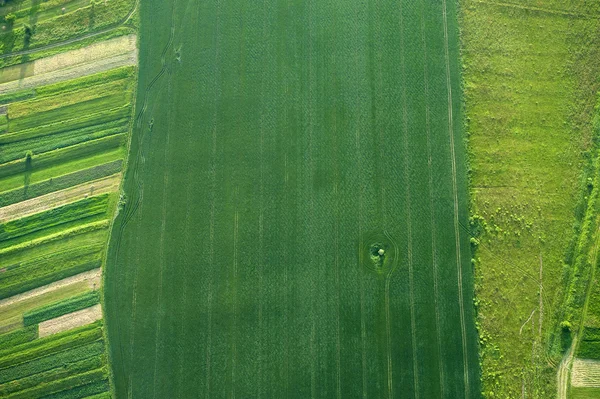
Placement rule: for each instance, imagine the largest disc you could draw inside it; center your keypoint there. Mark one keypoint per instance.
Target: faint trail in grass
(162, 261)
(409, 254)
(213, 191)
(455, 195)
(311, 172)
(438, 333)
(234, 267)
(363, 329)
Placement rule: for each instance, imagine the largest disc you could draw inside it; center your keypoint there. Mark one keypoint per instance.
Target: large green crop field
(279, 146)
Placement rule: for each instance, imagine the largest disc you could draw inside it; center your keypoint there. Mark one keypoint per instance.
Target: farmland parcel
(296, 205)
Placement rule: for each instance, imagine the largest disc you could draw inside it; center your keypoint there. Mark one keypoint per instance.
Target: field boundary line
(438, 333)
(455, 195)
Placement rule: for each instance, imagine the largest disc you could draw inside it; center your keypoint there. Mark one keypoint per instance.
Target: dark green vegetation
(274, 140)
(531, 81)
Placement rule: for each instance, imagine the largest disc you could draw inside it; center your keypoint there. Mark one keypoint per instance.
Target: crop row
(67, 213)
(60, 369)
(60, 182)
(67, 112)
(44, 144)
(54, 343)
(61, 308)
(18, 337)
(62, 155)
(60, 388)
(62, 140)
(124, 72)
(61, 99)
(58, 272)
(53, 238)
(81, 254)
(79, 121)
(60, 359)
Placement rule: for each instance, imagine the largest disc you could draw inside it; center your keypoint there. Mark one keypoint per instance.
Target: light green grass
(530, 80)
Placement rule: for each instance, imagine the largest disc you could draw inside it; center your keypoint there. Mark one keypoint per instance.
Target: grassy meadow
(278, 147)
(531, 78)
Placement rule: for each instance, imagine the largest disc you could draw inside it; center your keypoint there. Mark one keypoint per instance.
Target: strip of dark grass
(57, 309)
(17, 337)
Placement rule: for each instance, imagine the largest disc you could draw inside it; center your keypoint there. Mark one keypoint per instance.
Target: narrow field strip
(70, 321)
(92, 278)
(585, 373)
(56, 199)
(98, 57)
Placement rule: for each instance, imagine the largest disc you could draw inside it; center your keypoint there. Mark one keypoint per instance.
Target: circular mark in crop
(379, 252)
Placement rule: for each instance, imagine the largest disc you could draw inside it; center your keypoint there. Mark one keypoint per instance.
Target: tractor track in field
(455, 195)
(261, 250)
(213, 202)
(409, 255)
(438, 333)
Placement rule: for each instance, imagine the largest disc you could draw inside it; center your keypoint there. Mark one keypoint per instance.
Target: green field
(279, 145)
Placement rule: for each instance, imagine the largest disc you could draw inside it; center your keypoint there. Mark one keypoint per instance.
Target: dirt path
(564, 371)
(95, 58)
(70, 321)
(92, 277)
(58, 198)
